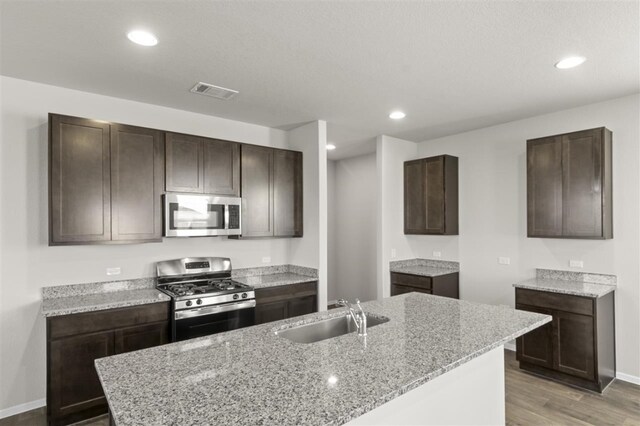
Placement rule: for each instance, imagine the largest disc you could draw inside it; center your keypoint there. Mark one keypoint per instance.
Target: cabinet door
(184, 163)
(544, 187)
(536, 347)
(79, 179)
(287, 193)
(582, 184)
(141, 337)
(302, 306)
(272, 311)
(257, 187)
(74, 386)
(221, 167)
(137, 176)
(434, 195)
(402, 289)
(574, 344)
(414, 197)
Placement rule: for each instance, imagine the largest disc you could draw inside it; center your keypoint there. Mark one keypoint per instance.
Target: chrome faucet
(358, 316)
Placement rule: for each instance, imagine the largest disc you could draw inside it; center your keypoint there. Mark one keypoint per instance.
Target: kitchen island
(253, 376)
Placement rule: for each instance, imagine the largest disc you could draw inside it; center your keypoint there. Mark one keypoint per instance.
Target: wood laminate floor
(530, 400)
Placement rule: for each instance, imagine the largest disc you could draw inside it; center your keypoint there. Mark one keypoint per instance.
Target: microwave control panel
(234, 216)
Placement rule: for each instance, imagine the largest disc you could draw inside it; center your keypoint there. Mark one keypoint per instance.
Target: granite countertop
(100, 301)
(273, 280)
(424, 267)
(569, 282)
(261, 378)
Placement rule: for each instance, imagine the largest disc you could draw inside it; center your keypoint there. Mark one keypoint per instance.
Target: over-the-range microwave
(196, 215)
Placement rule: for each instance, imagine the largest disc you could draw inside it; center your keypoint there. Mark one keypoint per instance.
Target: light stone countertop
(252, 376)
(570, 282)
(274, 280)
(424, 267)
(101, 301)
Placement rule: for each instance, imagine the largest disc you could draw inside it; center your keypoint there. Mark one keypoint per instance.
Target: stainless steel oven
(197, 215)
(198, 322)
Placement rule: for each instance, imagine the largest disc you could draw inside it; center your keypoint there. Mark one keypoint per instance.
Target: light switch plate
(437, 254)
(266, 260)
(113, 271)
(504, 260)
(576, 264)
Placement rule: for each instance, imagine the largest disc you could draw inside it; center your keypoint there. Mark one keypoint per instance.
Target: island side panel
(478, 384)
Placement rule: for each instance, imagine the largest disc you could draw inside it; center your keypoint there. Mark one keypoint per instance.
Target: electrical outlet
(437, 254)
(393, 253)
(113, 271)
(504, 260)
(576, 264)
(266, 260)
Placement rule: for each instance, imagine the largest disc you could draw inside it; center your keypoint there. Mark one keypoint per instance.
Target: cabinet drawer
(292, 291)
(557, 301)
(411, 280)
(402, 289)
(110, 319)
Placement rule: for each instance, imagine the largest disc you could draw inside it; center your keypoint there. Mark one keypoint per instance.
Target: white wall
(311, 249)
(332, 252)
(27, 263)
(492, 172)
(391, 153)
(355, 229)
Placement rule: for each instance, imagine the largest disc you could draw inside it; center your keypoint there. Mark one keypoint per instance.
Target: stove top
(204, 287)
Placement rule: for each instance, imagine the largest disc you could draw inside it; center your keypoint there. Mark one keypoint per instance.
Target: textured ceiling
(451, 66)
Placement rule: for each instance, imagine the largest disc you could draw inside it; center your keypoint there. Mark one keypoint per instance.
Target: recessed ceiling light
(143, 38)
(330, 147)
(397, 115)
(570, 62)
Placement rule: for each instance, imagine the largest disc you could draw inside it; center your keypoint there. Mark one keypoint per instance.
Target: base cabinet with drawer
(286, 301)
(441, 285)
(75, 341)
(578, 346)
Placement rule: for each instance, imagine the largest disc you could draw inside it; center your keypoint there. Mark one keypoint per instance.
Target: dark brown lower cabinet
(287, 301)
(578, 346)
(75, 341)
(441, 285)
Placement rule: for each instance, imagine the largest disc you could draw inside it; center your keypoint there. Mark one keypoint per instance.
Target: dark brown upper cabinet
(431, 196)
(271, 192)
(569, 182)
(105, 182)
(137, 176)
(202, 165)
(79, 180)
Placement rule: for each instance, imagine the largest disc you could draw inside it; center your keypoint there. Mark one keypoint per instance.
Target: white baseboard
(628, 378)
(21, 408)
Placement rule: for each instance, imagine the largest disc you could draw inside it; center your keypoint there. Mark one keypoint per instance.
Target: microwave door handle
(226, 216)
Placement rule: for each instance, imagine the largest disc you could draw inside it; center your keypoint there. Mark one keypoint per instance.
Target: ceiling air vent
(214, 91)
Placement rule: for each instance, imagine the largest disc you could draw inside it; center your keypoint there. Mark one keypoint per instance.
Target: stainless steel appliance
(205, 300)
(198, 215)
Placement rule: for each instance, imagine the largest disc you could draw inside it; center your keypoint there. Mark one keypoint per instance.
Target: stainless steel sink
(326, 329)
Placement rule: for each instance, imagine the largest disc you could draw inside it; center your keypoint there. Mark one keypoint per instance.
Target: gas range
(205, 300)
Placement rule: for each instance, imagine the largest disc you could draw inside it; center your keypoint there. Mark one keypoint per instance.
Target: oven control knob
(199, 301)
(235, 296)
(189, 303)
(244, 295)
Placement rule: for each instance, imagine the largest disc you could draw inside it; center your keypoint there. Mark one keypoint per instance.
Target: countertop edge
(608, 288)
(96, 308)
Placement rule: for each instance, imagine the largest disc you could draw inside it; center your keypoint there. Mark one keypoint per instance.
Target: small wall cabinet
(431, 196)
(105, 182)
(75, 341)
(271, 192)
(578, 346)
(287, 301)
(441, 285)
(569, 185)
(202, 165)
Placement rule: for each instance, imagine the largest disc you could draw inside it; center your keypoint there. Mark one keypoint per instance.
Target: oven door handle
(210, 310)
